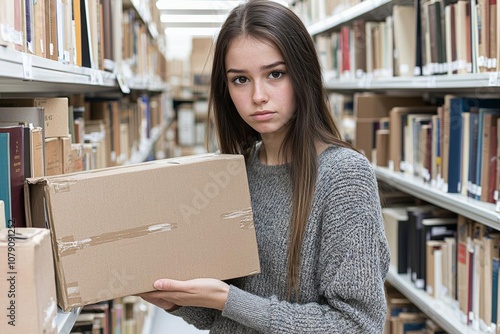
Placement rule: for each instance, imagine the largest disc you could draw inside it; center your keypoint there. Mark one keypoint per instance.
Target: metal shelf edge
(444, 315)
(66, 320)
(479, 211)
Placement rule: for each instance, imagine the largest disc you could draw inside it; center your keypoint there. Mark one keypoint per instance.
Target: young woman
(322, 248)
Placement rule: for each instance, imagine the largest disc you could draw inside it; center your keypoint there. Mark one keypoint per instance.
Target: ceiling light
(168, 18)
(192, 31)
(197, 5)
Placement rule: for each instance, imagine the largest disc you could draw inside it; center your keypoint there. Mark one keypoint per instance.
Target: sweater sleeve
(352, 267)
(199, 317)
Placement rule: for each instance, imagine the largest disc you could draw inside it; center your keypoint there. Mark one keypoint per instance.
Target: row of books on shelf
(451, 144)
(120, 315)
(53, 136)
(428, 38)
(313, 11)
(404, 317)
(87, 33)
(451, 257)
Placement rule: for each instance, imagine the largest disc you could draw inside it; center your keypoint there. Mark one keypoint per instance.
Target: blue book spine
(494, 290)
(5, 192)
(455, 150)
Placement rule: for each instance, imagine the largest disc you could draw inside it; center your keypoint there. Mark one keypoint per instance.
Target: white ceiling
(185, 19)
(196, 17)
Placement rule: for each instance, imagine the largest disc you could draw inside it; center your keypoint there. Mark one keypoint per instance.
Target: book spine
(5, 175)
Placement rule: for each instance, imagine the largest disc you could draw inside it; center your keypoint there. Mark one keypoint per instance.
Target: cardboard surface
(28, 291)
(116, 230)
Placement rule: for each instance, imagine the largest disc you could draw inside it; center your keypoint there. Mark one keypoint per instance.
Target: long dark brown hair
(312, 123)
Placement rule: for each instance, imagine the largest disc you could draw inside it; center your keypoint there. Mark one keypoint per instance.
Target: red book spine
(16, 173)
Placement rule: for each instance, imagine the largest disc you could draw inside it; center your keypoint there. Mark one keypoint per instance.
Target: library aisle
(165, 323)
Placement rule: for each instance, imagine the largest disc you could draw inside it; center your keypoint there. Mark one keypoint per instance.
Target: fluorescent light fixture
(169, 18)
(192, 31)
(197, 5)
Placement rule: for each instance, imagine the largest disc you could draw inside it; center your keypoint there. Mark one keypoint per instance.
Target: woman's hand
(201, 292)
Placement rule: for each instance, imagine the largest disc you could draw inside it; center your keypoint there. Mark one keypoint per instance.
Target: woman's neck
(270, 152)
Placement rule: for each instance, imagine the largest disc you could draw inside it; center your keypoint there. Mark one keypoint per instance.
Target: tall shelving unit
(24, 74)
(446, 315)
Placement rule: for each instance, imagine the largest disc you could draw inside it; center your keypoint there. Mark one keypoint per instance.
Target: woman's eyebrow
(262, 68)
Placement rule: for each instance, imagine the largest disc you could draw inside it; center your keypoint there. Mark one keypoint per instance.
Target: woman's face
(260, 86)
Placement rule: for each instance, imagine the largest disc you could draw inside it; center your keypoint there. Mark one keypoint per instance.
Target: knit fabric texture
(344, 257)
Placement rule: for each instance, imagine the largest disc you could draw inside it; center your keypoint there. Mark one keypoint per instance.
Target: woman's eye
(275, 74)
(240, 80)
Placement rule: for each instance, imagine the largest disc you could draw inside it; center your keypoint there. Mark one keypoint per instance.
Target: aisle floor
(165, 323)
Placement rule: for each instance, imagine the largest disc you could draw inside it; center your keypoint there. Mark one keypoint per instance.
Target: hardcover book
(5, 194)
(396, 133)
(396, 229)
(16, 151)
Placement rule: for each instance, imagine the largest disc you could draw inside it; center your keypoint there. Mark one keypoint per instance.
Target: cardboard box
(28, 291)
(370, 105)
(53, 156)
(116, 230)
(55, 109)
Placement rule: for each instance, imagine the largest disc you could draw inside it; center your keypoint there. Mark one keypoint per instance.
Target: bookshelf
(343, 78)
(369, 9)
(445, 315)
(28, 75)
(66, 320)
(481, 212)
(481, 83)
(22, 72)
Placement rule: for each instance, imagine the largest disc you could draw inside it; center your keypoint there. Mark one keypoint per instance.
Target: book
(484, 108)
(473, 140)
(55, 112)
(34, 165)
(450, 258)
(27, 116)
(489, 152)
(412, 142)
(464, 239)
(396, 228)
(24, 116)
(465, 145)
(2, 214)
(19, 33)
(452, 139)
(7, 15)
(5, 194)
(382, 147)
(495, 270)
(16, 151)
(433, 229)
(404, 40)
(497, 194)
(433, 279)
(39, 28)
(51, 46)
(397, 116)
(491, 249)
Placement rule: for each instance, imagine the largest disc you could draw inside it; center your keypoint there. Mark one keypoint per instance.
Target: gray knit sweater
(344, 256)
